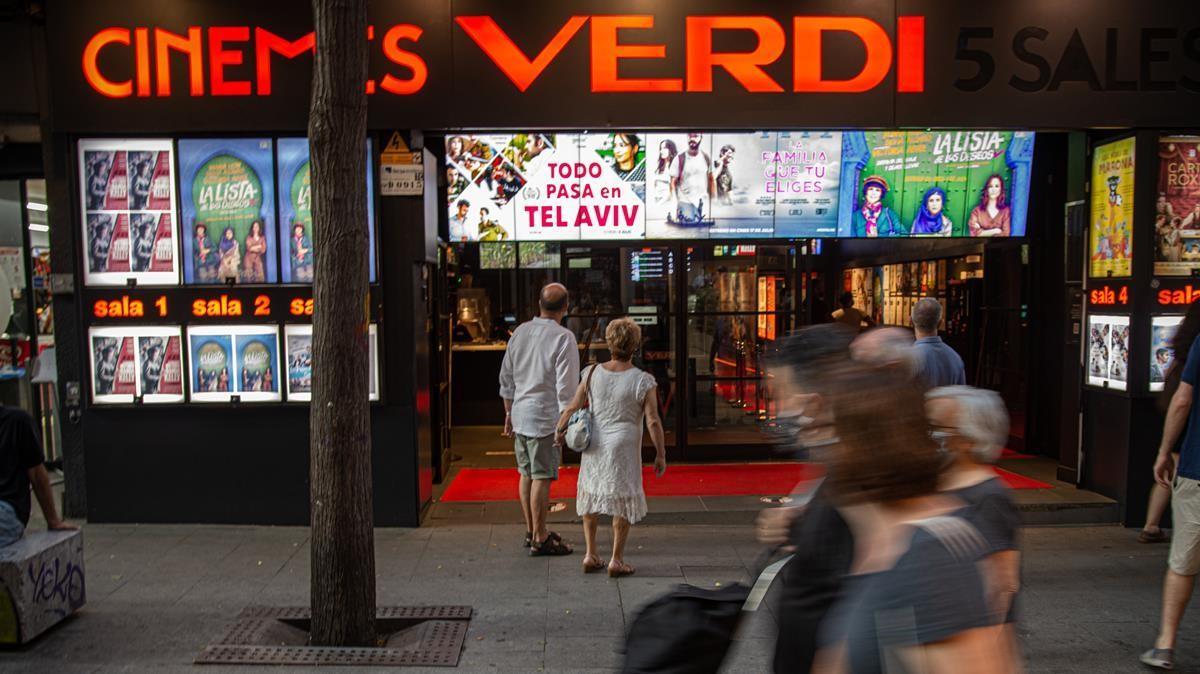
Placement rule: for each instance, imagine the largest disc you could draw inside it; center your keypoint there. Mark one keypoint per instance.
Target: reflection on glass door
(739, 303)
(638, 282)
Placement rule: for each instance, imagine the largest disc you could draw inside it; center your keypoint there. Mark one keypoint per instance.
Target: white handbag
(579, 426)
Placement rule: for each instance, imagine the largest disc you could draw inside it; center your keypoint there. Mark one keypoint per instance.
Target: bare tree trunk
(343, 544)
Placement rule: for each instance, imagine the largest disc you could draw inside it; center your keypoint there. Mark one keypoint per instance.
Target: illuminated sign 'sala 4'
(215, 49)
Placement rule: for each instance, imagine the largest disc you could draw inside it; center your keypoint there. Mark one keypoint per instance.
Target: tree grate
(429, 636)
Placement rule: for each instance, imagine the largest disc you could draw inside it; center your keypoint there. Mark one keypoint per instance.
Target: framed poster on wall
(1110, 249)
(298, 341)
(228, 210)
(1108, 351)
(127, 198)
(1177, 207)
(234, 360)
(132, 362)
(295, 210)
(1162, 355)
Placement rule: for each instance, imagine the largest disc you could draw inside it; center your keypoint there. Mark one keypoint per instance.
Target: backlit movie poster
(934, 183)
(1108, 351)
(804, 176)
(128, 204)
(298, 340)
(228, 210)
(680, 185)
(484, 174)
(1177, 207)
(137, 361)
(294, 187)
(1111, 238)
(234, 360)
(1162, 354)
(744, 199)
(114, 370)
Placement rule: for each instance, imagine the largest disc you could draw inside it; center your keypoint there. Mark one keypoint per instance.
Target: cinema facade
(177, 179)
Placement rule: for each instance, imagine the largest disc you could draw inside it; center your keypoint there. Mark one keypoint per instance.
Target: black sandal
(553, 546)
(528, 539)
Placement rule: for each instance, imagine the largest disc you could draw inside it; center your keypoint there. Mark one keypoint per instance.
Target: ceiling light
(39, 228)
(36, 206)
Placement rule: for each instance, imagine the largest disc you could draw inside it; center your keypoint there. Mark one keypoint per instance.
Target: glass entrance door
(739, 303)
(639, 282)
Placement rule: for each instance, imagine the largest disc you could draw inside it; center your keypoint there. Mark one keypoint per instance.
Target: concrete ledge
(41, 583)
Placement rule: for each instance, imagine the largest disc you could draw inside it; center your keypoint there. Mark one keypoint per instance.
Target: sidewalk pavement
(158, 594)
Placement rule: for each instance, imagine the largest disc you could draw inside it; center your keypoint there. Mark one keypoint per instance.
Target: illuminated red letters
(91, 71)
(806, 70)
(191, 45)
(1181, 297)
(219, 57)
(267, 43)
(607, 51)
(221, 48)
(745, 68)
(403, 57)
(508, 56)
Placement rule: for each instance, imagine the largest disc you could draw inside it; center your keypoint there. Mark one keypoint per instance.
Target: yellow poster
(1111, 239)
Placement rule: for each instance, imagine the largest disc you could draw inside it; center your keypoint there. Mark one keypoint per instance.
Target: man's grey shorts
(1185, 536)
(537, 458)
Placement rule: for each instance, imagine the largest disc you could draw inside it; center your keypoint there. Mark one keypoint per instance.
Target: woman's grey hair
(982, 418)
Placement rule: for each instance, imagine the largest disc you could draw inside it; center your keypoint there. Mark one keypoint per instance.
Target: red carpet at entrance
(728, 479)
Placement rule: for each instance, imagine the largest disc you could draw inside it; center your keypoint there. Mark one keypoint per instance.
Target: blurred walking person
(621, 397)
(538, 376)
(1178, 468)
(803, 374)
(971, 426)
(889, 349)
(915, 599)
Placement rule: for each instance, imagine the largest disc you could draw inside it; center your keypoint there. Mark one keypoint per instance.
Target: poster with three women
(228, 207)
(295, 210)
(935, 183)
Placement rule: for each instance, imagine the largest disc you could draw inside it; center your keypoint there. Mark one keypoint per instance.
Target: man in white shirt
(538, 379)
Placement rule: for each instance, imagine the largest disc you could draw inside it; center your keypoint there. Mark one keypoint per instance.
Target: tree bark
(343, 544)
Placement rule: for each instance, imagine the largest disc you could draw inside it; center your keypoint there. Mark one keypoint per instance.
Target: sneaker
(1162, 658)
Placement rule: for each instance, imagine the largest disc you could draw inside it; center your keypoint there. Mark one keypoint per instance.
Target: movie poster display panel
(1162, 352)
(132, 362)
(1108, 351)
(482, 179)
(127, 195)
(546, 207)
(298, 340)
(1111, 239)
(612, 187)
(234, 360)
(1177, 207)
(743, 175)
(680, 186)
(805, 179)
(295, 210)
(228, 210)
(935, 183)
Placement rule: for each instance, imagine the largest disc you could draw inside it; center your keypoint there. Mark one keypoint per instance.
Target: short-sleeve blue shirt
(1189, 454)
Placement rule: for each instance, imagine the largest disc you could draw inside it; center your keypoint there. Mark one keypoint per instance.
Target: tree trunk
(343, 544)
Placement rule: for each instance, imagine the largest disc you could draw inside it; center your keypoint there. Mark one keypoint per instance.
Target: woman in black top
(971, 426)
(915, 599)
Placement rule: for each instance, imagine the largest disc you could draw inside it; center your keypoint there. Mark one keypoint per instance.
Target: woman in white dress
(610, 474)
